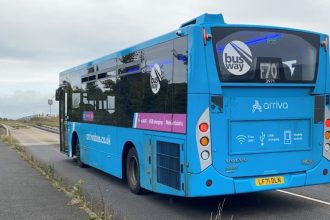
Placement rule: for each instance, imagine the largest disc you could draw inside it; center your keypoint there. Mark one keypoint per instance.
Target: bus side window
(136, 92)
(159, 92)
(180, 53)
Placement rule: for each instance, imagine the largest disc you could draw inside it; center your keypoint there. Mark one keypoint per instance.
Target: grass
(44, 121)
(74, 192)
(219, 213)
(13, 124)
(39, 121)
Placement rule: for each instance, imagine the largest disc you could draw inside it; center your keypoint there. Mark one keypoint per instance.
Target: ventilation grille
(168, 164)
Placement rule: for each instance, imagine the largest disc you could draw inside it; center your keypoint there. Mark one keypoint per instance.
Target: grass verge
(44, 121)
(13, 124)
(74, 192)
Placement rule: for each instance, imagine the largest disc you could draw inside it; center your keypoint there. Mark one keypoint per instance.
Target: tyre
(80, 163)
(133, 171)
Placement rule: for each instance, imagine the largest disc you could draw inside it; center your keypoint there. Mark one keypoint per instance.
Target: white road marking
(304, 197)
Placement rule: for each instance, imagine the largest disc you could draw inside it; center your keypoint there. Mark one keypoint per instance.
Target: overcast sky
(40, 38)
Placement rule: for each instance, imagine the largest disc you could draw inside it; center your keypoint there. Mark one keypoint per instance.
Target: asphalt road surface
(25, 194)
(300, 203)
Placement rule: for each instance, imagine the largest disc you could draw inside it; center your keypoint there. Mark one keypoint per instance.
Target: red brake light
(203, 127)
(327, 123)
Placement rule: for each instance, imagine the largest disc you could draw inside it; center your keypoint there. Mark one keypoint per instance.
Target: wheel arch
(127, 146)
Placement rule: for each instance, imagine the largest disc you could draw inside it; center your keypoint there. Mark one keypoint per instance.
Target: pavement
(314, 203)
(25, 194)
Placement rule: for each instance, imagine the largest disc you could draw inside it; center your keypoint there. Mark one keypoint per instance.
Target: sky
(40, 38)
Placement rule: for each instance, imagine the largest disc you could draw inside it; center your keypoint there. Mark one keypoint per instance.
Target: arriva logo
(269, 106)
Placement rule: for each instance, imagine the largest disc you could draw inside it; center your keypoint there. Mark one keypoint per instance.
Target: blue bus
(209, 109)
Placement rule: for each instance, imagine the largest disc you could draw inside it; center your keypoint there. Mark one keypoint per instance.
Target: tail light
(203, 140)
(204, 127)
(327, 123)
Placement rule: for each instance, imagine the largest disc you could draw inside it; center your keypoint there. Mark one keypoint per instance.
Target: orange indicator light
(327, 135)
(204, 141)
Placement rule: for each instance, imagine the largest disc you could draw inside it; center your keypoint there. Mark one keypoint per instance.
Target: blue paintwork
(235, 166)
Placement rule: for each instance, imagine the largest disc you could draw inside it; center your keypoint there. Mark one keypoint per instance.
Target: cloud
(24, 103)
(301, 14)
(41, 38)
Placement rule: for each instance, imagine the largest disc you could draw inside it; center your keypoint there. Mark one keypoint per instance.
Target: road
(25, 194)
(117, 197)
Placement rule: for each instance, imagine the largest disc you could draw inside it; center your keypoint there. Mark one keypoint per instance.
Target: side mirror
(57, 94)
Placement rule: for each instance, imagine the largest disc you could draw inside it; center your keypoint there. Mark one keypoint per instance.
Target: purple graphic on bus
(160, 122)
(88, 116)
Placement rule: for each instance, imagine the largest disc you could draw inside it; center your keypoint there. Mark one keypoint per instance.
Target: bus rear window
(265, 55)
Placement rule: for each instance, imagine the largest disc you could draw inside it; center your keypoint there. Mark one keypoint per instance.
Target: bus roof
(206, 20)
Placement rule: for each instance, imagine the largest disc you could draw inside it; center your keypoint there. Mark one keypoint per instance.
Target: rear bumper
(315, 175)
(222, 185)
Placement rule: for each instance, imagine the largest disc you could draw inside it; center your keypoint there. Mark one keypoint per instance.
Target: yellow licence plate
(274, 180)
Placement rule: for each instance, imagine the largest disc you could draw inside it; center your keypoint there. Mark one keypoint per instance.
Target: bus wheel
(80, 163)
(133, 171)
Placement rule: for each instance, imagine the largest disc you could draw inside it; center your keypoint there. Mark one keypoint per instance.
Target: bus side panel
(316, 176)
(142, 144)
(198, 83)
(211, 67)
(151, 159)
(146, 161)
(98, 146)
(220, 185)
(322, 83)
(327, 68)
(102, 148)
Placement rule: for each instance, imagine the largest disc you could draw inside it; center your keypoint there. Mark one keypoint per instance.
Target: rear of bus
(261, 118)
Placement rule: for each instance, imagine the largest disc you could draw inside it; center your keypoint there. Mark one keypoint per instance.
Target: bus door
(61, 96)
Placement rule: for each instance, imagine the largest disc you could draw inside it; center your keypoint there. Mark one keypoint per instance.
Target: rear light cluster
(327, 123)
(203, 139)
(326, 144)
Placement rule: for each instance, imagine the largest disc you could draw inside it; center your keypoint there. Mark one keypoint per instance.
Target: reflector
(205, 155)
(208, 182)
(325, 172)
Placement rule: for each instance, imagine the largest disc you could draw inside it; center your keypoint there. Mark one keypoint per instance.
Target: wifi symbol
(241, 138)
